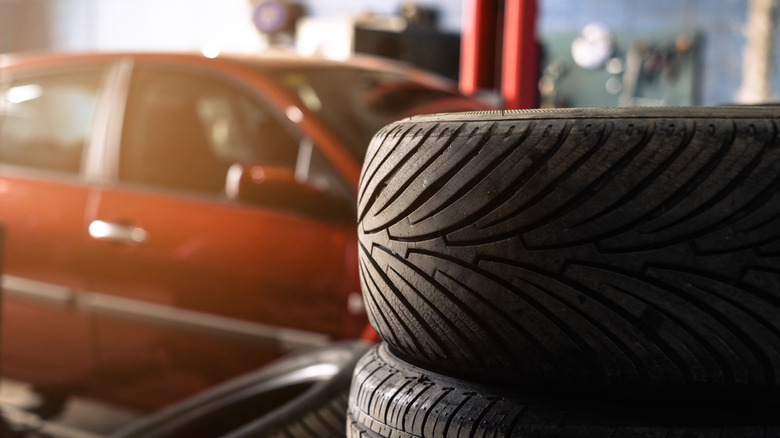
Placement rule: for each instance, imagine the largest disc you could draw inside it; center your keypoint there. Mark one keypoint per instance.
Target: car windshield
(356, 103)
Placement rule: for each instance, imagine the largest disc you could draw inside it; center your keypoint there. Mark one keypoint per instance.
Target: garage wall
(191, 24)
(25, 25)
(718, 23)
(174, 25)
(111, 25)
(449, 10)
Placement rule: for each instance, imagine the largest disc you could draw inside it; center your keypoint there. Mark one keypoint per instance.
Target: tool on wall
(599, 68)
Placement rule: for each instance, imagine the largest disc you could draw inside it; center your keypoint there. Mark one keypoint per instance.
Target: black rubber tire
(609, 251)
(301, 395)
(392, 398)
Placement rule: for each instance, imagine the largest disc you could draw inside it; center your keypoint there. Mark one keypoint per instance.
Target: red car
(174, 220)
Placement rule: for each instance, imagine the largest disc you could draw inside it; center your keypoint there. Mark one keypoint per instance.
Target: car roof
(269, 60)
(274, 56)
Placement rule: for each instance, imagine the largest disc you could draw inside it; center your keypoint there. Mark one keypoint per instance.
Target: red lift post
(519, 72)
(478, 46)
(519, 61)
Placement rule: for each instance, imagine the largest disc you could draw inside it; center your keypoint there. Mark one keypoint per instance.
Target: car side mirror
(278, 188)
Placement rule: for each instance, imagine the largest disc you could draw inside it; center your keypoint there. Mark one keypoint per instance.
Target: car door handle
(119, 233)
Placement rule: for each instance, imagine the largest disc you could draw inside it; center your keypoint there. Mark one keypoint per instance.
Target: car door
(189, 279)
(47, 120)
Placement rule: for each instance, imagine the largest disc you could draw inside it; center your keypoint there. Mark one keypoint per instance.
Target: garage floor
(81, 415)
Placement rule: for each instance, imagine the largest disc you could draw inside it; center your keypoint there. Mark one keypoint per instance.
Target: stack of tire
(575, 273)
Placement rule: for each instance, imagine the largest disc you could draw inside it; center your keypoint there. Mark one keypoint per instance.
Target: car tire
(393, 398)
(605, 251)
(301, 395)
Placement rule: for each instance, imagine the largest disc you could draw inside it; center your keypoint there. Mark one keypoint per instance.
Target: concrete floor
(81, 418)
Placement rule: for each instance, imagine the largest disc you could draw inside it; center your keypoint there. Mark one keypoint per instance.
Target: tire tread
(392, 398)
(621, 251)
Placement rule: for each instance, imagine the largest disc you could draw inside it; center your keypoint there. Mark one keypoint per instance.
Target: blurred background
(573, 53)
(668, 52)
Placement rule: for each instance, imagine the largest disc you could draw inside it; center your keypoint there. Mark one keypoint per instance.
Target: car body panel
(46, 243)
(223, 247)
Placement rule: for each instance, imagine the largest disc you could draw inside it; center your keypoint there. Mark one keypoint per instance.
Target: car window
(184, 130)
(47, 119)
(356, 103)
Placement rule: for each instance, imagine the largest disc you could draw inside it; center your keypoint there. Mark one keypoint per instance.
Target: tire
(302, 395)
(605, 251)
(392, 398)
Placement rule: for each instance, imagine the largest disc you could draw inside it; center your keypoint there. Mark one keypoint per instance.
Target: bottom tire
(392, 398)
(301, 395)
